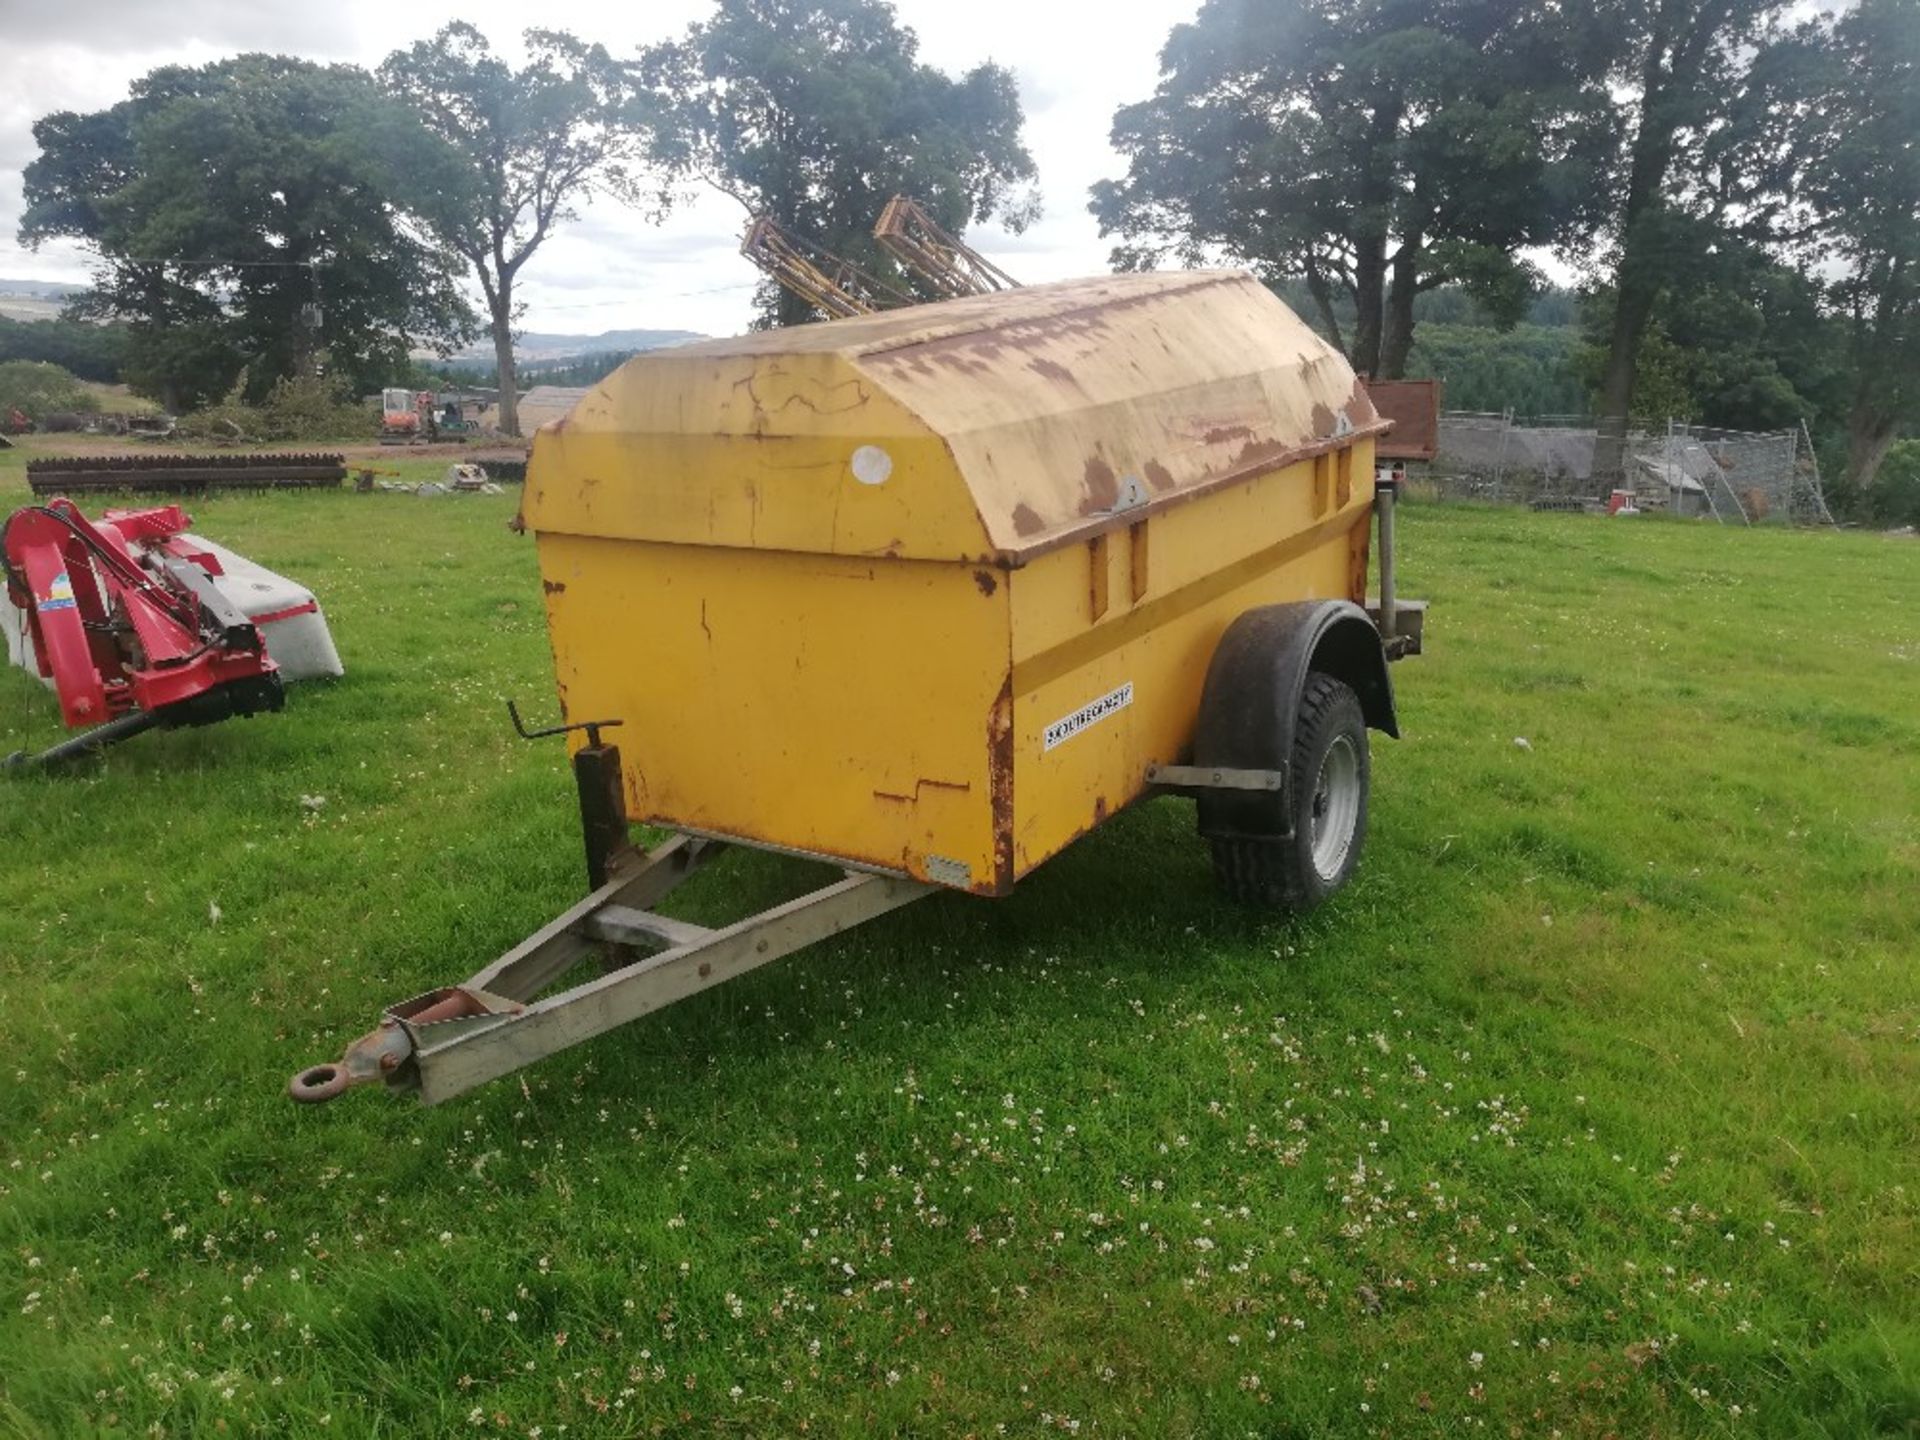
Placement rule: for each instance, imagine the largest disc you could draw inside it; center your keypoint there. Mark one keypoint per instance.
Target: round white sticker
(872, 465)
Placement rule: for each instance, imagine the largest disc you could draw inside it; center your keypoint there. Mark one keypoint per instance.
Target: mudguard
(1252, 697)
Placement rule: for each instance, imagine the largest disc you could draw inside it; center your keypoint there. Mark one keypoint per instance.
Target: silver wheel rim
(1336, 808)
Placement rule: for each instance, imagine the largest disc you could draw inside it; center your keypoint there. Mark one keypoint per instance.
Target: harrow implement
(181, 474)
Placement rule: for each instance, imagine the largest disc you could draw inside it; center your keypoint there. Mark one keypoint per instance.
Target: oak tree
(250, 218)
(1822, 160)
(1374, 150)
(536, 142)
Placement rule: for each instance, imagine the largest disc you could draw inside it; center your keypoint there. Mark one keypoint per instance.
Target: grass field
(1593, 1108)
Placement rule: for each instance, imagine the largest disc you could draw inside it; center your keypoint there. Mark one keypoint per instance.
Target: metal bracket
(1409, 627)
(1201, 777)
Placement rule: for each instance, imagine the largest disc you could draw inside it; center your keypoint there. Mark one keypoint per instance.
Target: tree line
(1737, 185)
(1674, 151)
(264, 217)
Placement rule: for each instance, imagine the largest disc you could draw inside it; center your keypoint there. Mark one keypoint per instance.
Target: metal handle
(592, 727)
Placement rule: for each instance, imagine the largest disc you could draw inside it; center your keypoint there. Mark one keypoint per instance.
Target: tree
(1374, 150)
(536, 142)
(1683, 62)
(37, 390)
(1825, 151)
(1740, 343)
(1528, 369)
(817, 111)
(249, 216)
(92, 352)
(1894, 497)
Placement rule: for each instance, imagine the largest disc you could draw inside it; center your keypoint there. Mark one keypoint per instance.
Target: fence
(1549, 462)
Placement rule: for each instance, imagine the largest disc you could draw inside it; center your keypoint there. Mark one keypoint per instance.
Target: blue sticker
(60, 594)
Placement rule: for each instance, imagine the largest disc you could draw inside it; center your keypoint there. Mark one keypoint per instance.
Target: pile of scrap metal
(135, 623)
(838, 288)
(181, 474)
(463, 477)
(506, 466)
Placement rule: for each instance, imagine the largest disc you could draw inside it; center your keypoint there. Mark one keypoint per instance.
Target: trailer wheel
(1327, 785)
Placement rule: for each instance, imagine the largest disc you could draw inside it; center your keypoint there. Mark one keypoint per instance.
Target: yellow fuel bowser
(928, 594)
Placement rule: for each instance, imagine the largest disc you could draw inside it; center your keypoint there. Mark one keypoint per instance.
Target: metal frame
(447, 1041)
(952, 267)
(835, 286)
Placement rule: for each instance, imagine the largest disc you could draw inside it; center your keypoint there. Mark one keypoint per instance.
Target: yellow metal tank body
(928, 591)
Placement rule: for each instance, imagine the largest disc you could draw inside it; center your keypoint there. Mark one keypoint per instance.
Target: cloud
(112, 27)
(1075, 64)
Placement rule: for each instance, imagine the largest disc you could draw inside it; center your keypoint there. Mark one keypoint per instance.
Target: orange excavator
(406, 417)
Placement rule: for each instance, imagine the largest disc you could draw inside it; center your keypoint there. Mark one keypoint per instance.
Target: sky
(1076, 61)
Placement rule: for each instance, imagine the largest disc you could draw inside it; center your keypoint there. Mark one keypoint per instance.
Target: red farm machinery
(123, 617)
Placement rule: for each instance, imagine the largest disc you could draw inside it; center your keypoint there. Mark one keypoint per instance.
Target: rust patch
(985, 581)
(1103, 490)
(1158, 476)
(1026, 520)
(1359, 543)
(1099, 809)
(1255, 452)
(1000, 784)
(1222, 434)
(1322, 418)
(1050, 370)
(554, 587)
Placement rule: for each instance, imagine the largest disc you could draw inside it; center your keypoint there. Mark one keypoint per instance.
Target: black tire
(1285, 874)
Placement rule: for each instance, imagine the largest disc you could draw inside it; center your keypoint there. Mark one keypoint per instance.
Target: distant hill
(39, 289)
(535, 345)
(34, 299)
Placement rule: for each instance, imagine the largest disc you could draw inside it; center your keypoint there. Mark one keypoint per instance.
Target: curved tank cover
(993, 427)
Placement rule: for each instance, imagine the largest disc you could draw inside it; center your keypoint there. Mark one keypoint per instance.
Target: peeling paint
(1256, 451)
(1103, 489)
(1000, 784)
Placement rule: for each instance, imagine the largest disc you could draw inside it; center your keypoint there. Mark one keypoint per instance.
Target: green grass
(1590, 1109)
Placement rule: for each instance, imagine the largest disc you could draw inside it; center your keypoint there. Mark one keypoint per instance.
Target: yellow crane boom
(953, 268)
(835, 286)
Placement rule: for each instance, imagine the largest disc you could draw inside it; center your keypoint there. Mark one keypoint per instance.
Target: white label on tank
(1092, 713)
(872, 465)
